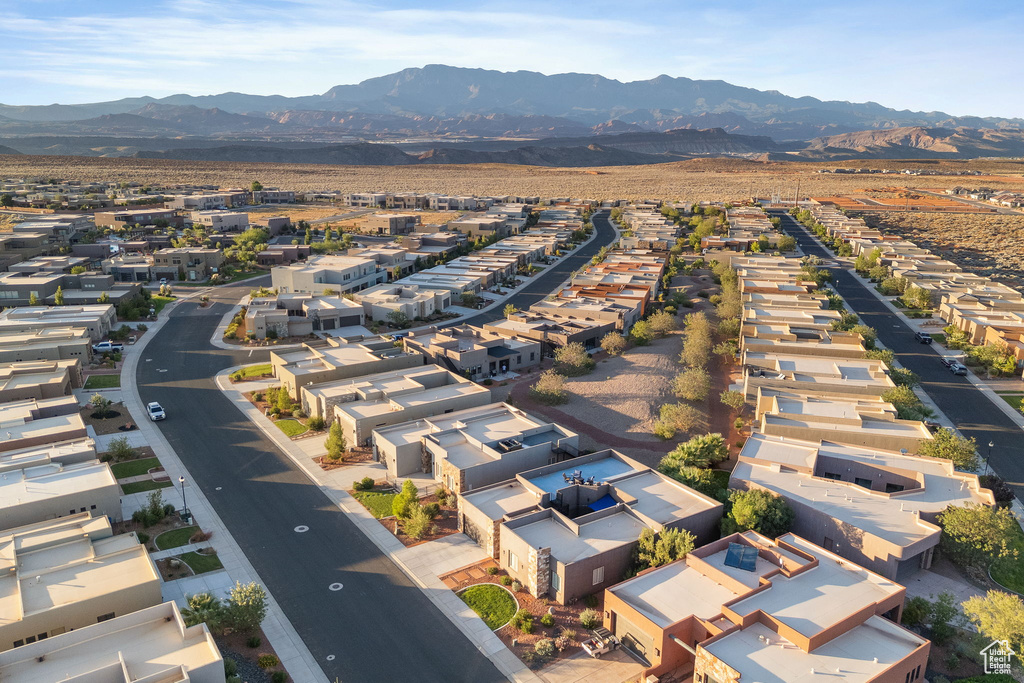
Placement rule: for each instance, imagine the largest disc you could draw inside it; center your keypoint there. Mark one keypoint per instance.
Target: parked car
(947, 361)
(107, 347)
(156, 411)
(603, 641)
(957, 369)
(923, 337)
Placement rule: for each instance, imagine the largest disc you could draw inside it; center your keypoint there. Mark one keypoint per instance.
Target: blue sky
(957, 57)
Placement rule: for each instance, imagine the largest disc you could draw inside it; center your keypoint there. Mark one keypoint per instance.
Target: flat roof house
(474, 352)
(471, 448)
(330, 273)
(36, 422)
(43, 489)
(814, 376)
(46, 344)
(414, 301)
(746, 608)
(551, 333)
(295, 315)
(569, 529)
(97, 318)
(876, 508)
(150, 644)
(39, 379)
(194, 264)
(69, 573)
(619, 313)
(335, 359)
(368, 403)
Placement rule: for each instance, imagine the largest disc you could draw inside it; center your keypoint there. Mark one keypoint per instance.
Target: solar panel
(734, 554)
(748, 559)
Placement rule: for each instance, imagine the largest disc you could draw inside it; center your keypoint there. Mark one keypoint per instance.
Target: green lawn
(1010, 573)
(175, 538)
(721, 478)
(1015, 400)
(201, 564)
(103, 382)
(140, 486)
(939, 337)
(377, 502)
(492, 603)
(158, 302)
(134, 468)
(291, 428)
(254, 371)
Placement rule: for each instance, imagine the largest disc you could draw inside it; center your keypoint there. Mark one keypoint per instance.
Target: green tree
(656, 550)
(946, 444)
(6, 200)
(662, 323)
(758, 510)
(613, 343)
(33, 299)
(700, 451)
(402, 504)
(868, 333)
(78, 270)
(692, 384)
(572, 360)
(676, 417)
(256, 186)
(976, 535)
(204, 608)
(944, 615)
(335, 442)
(419, 522)
(699, 479)
(641, 334)
(104, 298)
(787, 243)
(733, 399)
(398, 319)
(908, 405)
(119, 449)
(998, 616)
(246, 607)
(58, 296)
(549, 388)
(510, 310)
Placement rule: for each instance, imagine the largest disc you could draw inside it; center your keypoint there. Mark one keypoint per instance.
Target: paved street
(552, 276)
(378, 626)
(962, 402)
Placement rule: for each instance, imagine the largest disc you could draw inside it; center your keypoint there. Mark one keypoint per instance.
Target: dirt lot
(713, 179)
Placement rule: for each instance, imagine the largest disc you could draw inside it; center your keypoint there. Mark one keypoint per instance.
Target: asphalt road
(379, 626)
(963, 403)
(545, 282)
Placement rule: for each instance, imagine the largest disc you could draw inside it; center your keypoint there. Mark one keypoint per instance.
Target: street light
(989, 456)
(184, 504)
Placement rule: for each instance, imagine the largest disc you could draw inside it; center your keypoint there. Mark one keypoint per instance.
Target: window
(81, 510)
(532, 354)
(859, 481)
(556, 581)
(43, 636)
(893, 488)
(832, 475)
(513, 561)
(105, 617)
(30, 639)
(599, 575)
(71, 512)
(92, 507)
(19, 643)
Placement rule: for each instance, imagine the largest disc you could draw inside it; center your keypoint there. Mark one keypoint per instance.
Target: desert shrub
(547, 620)
(267, 660)
(506, 580)
(676, 417)
(492, 571)
(254, 642)
(613, 343)
(516, 586)
(278, 677)
(589, 618)
(572, 360)
(692, 384)
(545, 647)
(433, 510)
(316, 423)
(230, 667)
(641, 334)
(419, 523)
(522, 621)
(549, 389)
(200, 536)
(364, 484)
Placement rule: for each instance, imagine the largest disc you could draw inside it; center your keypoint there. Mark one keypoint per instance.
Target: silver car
(156, 411)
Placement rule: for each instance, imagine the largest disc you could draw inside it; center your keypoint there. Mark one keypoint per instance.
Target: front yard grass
(140, 486)
(103, 382)
(201, 564)
(291, 428)
(377, 502)
(158, 302)
(134, 468)
(175, 538)
(1010, 572)
(492, 603)
(253, 371)
(1015, 400)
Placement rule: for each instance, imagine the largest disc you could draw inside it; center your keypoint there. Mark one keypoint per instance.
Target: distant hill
(8, 150)
(919, 142)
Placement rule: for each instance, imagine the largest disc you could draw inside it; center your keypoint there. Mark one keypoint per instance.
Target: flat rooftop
(861, 654)
(662, 499)
(674, 592)
(601, 470)
(501, 499)
(152, 644)
(894, 517)
(53, 480)
(599, 536)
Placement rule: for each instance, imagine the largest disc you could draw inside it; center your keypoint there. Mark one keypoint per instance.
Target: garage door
(633, 638)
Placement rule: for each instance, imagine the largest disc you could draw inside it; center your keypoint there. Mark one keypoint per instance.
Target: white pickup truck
(107, 347)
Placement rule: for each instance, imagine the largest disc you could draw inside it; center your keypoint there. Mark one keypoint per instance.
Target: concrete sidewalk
(293, 653)
(421, 563)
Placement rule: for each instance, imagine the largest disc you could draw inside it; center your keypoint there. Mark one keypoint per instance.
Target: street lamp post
(184, 503)
(989, 456)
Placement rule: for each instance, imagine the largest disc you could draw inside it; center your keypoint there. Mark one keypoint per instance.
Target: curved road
(963, 403)
(380, 626)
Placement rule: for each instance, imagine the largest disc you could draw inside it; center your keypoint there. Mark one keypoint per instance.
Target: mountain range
(441, 112)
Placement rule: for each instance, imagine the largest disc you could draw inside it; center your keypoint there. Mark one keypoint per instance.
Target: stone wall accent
(538, 568)
(708, 667)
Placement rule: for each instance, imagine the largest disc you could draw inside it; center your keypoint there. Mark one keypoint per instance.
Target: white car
(156, 412)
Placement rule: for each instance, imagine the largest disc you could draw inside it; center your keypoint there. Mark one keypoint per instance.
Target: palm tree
(204, 608)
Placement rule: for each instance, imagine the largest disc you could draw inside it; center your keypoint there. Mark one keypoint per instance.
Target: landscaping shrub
(200, 536)
(278, 677)
(547, 620)
(916, 611)
(550, 389)
(488, 382)
(316, 423)
(401, 506)
(364, 484)
(433, 510)
(589, 618)
(419, 523)
(516, 586)
(493, 571)
(442, 496)
(572, 360)
(545, 647)
(233, 679)
(523, 621)
(143, 538)
(106, 457)
(230, 667)
(254, 642)
(267, 660)
(120, 450)
(590, 601)
(506, 580)
(613, 343)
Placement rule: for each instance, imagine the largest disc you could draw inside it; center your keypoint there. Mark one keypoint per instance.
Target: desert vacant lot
(711, 179)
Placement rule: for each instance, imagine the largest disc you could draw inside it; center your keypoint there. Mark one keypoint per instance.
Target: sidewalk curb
(295, 657)
(491, 647)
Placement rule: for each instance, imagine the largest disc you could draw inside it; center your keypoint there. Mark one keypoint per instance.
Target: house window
(92, 507)
(893, 488)
(599, 575)
(513, 561)
(556, 581)
(43, 636)
(866, 483)
(832, 475)
(532, 354)
(19, 643)
(30, 639)
(105, 617)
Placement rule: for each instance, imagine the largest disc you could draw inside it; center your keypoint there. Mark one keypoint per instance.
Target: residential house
(474, 352)
(336, 359)
(328, 274)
